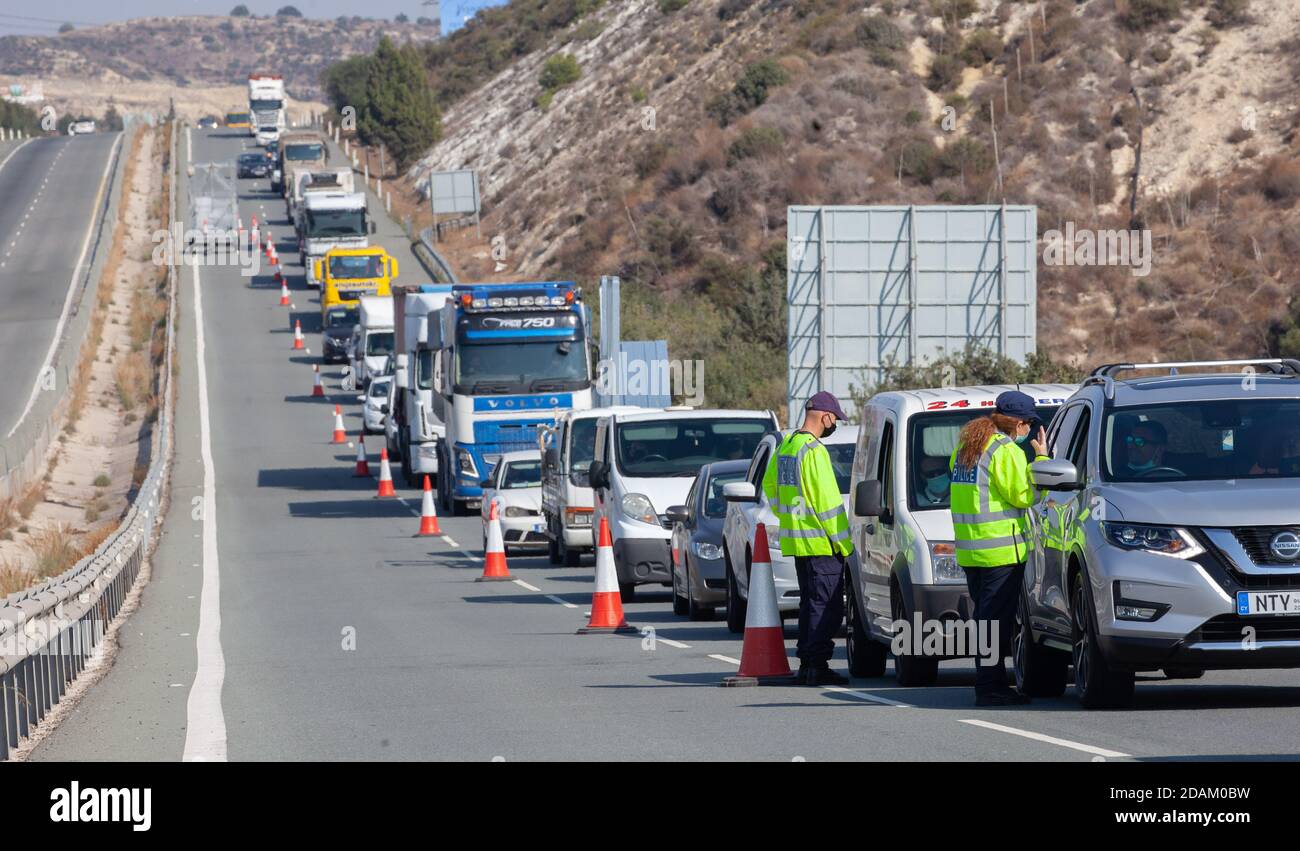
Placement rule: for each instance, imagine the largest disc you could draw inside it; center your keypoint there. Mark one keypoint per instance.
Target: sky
(44, 18)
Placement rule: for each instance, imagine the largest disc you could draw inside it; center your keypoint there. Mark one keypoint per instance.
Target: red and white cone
(284, 290)
(606, 602)
(275, 256)
(363, 466)
(385, 475)
(254, 222)
(494, 555)
(428, 517)
(340, 436)
(763, 658)
(297, 334)
(266, 247)
(316, 388)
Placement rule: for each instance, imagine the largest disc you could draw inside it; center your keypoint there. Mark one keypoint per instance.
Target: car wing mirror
(1055, 475)
(739, 492)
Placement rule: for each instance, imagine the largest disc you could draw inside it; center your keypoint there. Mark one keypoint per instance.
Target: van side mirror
(866, 499)
(1055, 475)
(739, 492)
(486, 484)
(598, 474)
(678, 513)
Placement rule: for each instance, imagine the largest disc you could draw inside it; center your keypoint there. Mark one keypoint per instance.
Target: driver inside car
(1145, 447)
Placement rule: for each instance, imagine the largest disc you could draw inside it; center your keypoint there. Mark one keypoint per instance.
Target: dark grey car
(699, 571)
(337, 333)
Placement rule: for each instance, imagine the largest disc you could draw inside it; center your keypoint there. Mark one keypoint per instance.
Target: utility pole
(1137, 162)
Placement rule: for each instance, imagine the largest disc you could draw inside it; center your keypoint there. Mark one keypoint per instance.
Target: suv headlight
(705, 550)
(638, 507)
(1165, 540)
(517, 511)
(943, 558)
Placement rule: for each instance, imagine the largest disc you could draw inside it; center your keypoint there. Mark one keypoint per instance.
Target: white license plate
(538, 527)
(1268, 602)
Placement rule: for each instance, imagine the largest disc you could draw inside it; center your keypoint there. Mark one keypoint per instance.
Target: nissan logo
(1285, 545)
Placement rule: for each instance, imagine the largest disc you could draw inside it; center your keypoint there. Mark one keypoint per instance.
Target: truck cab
(347, 274)
(332, 220)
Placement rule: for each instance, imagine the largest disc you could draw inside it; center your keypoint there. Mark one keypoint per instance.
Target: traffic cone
(297, 334)
(284, 290)
(254, 222)
(316, 389)
(494, 558)
(363, 466)
(428, 517)
(275, 256)
(340, 436)
(385, 475)
(606, 602)
(763, 659)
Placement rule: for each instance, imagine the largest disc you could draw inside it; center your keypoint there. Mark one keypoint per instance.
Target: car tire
(1039, 671)
(627, 591)
(679, 602)
(553, 550)
(866, 656)
(911, 671)
(1097, 684)
(736, 607)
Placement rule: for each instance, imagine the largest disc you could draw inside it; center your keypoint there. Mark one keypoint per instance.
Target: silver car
(1168, 537)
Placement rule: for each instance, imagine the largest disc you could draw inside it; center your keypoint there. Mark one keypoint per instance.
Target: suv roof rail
(1278, 366)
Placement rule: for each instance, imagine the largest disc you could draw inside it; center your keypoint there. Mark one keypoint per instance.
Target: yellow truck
(346, 274)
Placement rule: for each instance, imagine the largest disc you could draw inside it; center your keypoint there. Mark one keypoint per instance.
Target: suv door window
(1062, 431)
(1079, 443)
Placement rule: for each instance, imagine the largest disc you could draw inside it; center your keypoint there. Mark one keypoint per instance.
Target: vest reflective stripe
(805, 496)
(987, 530)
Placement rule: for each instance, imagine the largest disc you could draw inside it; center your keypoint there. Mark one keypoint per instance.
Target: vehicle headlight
(516, 511)
(1165, 540)
(577, 518)
(429, 450)
(704, 549)
(638, 507)
(943, 558)
(466, 462)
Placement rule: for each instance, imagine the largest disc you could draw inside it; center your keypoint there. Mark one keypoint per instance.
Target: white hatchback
(515, 485)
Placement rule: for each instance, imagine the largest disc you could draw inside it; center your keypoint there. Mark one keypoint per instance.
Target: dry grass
(131, 381)
(55, 548)
(8, 518)
(33, 496)
(13, 577)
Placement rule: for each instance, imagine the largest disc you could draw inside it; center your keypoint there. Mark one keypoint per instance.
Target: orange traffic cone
(317, 389)
(494, 556)
(254, 223)
(266, 248)
(606, 602)
(428, 517)
(363, 466)
(297, 334)
(284, 290)
(385, 475)
(340, 436)
(275, 256)
(763, 659)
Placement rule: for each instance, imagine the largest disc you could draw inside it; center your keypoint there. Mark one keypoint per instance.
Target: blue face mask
(1021, 439)
(938, 485)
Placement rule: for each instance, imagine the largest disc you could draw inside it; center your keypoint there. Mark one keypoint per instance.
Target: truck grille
(1267, 628)
(509, 437)
(1255, 541)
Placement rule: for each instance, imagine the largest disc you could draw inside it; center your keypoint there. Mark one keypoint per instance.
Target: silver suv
(1168, 532)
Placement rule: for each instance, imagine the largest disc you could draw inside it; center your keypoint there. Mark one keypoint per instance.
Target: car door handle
(869, 528)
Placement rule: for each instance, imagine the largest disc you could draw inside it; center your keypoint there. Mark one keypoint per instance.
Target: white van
(902, 528)
(372, 339)
(645, 461)
(568, 449)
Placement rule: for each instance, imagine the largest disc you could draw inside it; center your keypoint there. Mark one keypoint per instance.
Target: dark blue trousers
(821, 607)
(995, 591)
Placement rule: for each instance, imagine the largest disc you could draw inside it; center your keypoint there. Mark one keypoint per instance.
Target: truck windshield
(485, 368)
(237, 117)
(303, 152)
(681, 447)
(323, 223)
(522, 474)
(379, 343)
(932, 440)
(1203, 441)
(357, 266)
(264, 105)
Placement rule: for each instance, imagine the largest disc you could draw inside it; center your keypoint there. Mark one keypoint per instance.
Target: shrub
(755, 142)
(1239, 134)
(749, 92)
(1161, 51)
(559, 71)
(1279, 180)
(240, 11)
(102, 481)
(879, 31)
(945, 71)
(288, 12)
(1228, 13)
(1142, 14)
(981, 47)
(670, 6)
(729, 9)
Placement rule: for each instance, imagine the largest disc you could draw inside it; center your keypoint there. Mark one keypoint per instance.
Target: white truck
(265, 102)
(568, 448)
(332, 220)
(372, 340)
(314, 182)
(411, 411)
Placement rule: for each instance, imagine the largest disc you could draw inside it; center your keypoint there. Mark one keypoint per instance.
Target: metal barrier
(432, 261)
(50, 631)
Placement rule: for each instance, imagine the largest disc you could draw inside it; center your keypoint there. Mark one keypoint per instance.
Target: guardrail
(48, 633)
(432, 261)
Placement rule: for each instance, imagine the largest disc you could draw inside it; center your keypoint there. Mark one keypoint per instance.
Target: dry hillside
(672, 158)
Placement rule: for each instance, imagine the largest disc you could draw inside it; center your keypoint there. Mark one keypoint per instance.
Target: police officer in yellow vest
(990, 491)
(801, 487)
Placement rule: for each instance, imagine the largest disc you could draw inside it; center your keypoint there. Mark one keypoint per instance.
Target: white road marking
(866, 695)
(672, 643)
(726, 659)
(72, 289)
(564, 603)
(522, 584)
(446, 539)
(1039, 737)
(205, 727)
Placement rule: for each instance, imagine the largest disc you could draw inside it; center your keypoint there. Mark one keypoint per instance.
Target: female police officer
(990, 491)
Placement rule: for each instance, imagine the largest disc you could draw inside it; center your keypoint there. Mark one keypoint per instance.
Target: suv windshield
(931, 441)
(522, 474)
(342, 317)
(1202, 441)
(681, 447)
